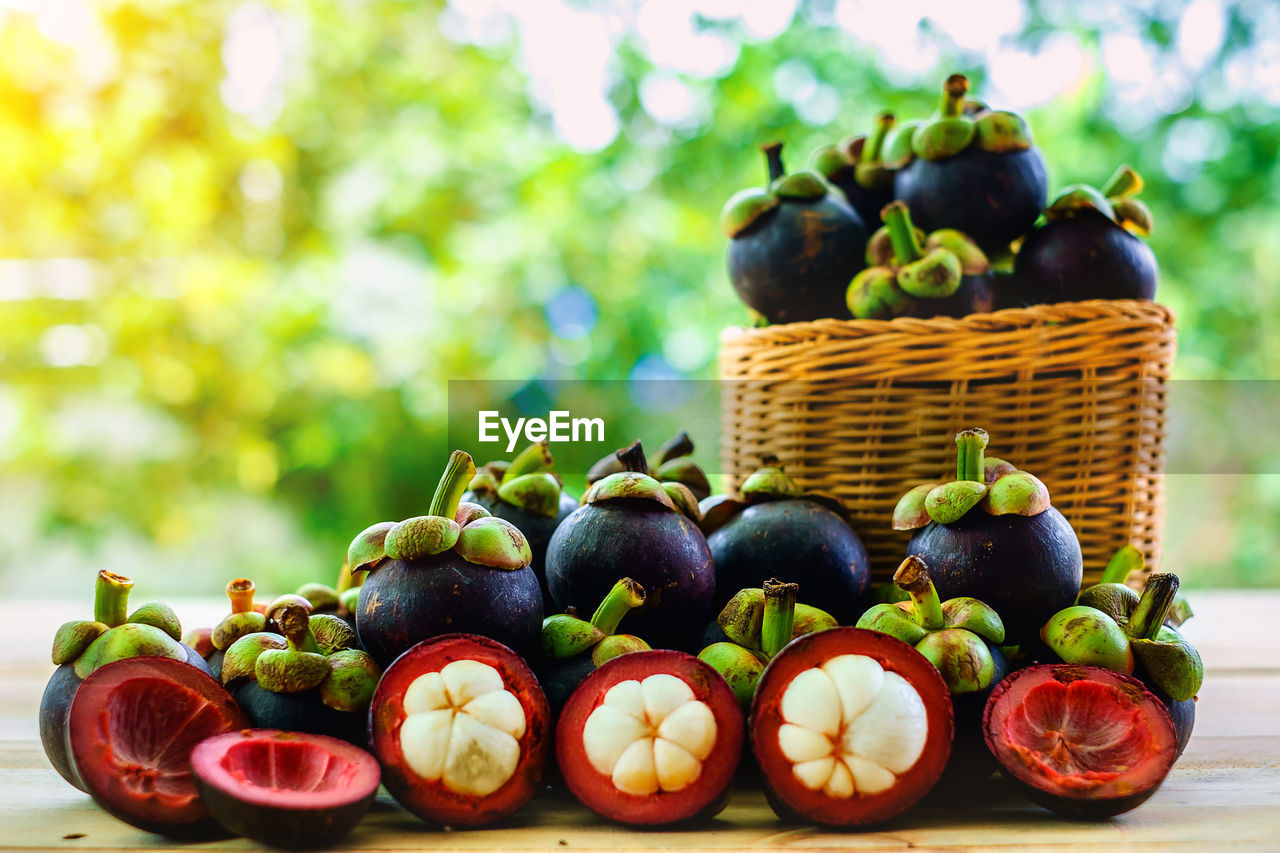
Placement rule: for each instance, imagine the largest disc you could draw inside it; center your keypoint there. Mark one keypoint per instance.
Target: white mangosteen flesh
(649, 736)
(462, 727)
(851, 727)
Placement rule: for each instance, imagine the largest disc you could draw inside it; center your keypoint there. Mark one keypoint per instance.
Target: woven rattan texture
(865, 409)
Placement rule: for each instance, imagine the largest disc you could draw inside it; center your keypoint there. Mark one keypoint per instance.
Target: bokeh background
(244, 245)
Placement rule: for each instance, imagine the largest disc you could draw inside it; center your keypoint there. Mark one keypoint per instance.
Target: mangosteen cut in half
(462, 730)
(651, 738)
(1080, 740)
(130, 732)
(850, 727)
(285, 789)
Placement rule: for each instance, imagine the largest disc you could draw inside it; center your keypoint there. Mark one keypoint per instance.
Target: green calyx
(717, 511)
(234, 626)
(1000, 488)
(322, 596)
(157, 614)
(898, 152)
(749, 208)
(861, 158)
(631, 483)
(114, 634)
(961, 123)
(369, 547)
(295, 668)
(1169, 661)
(538, 493)
(952, 634)
(421, 536)
(1083, 635)
(674, 464)
(129, 640)
(740, 667)
(526, 481)
(683, 499)
(240, 659)
(331, 633)
(743, 618)
(352, 678)
(72, 638)
(565, 636)
(768, 483)
(616, 645)
(1117, 201)
(1111, 595)
(494, 542)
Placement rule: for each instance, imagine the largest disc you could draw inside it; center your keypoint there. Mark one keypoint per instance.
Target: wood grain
(1224, 791)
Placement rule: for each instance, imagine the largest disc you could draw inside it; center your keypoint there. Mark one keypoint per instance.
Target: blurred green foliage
(228, 328)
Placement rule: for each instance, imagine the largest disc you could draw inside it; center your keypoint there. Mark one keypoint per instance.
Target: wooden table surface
(1224, 790)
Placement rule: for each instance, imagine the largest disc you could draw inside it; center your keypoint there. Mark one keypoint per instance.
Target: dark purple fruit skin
(300, 712)
(287, 828)
(559, 678)
(1026, 567)
(867, 202)
(55, 704)
(1085, 257)
(975, 295)
(403, 602)
(994, 198)
(796, 541)
(797, 264)
(1182, 713)
(971, 763)
(659, 548)
(538, 529)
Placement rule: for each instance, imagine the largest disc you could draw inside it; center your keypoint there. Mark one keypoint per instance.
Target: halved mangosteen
(462, 730)
(850, 727)
(130, 731)
(285, 789)
(651, 738)
(1080, 740)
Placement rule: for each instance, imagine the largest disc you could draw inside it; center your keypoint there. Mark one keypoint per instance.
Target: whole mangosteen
(674, 463)
(630, 525)
(992, 534)
(456, 569)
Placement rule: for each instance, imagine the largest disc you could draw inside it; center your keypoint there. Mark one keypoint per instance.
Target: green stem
(779, 616)
(912, 577)
(632, 458)
(1124, 183)
(971, 444)
(874, 146)
(111, 598)
(625, 596)
(902, 233)
(1149, 615)
(773, 157)
(1122, 564)
(240, 591)
(534, 458)
(953, 94)
(453, 483)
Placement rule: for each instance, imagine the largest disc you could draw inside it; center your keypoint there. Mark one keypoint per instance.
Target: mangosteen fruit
(971, 169)
(285, 789)
(462, 730)
(82, 646)
(651, 738)
(530, 495)
(244, 618)
(130, 731)
(456, 569)
(991, 534)
(1089, 246)
(756, 624)
(793, 245)
(674, 464)
(850, 727)
(572, 648)
(942, 275)
(781, 532)
(961, 637)
(312, 679)
(1082, 741)
(631, 525)
(858, 169)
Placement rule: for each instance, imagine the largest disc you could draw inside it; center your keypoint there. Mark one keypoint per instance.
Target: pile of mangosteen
(942, 216)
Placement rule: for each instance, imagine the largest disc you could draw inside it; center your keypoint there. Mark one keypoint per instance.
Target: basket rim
(1004, 320)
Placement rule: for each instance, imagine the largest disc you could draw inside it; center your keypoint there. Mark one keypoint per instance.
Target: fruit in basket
(970, 168)
(573, 648)
(992, 534)
(529, 494)
(960, 637)
(285, 789)
(651, 738)
(308, 680)
(80, 647)
(944, 274)
(778, 531)
(631, 525)
(1082, 741)
(850, 727)
(1089, 247)
(857, 168)
(130, 731)
(462, 730)
(455, 569)
(793, 245)
(675, 464)
(756, 624)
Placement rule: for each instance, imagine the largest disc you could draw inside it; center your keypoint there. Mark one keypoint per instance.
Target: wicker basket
(865, 409)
